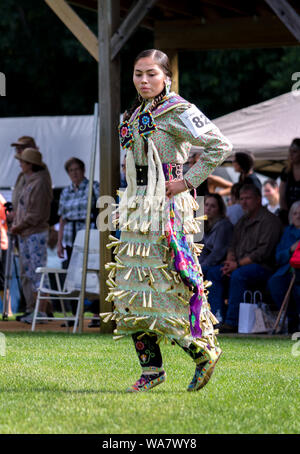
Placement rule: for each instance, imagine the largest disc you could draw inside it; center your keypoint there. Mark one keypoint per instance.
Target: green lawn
(61, 384)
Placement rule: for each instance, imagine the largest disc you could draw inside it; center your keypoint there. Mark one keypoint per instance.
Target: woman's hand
(229, 266)
(174, 187)
(60, 250)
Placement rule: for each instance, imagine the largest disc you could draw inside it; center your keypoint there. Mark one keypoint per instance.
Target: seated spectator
(244, 163)
(30, 222)
(250, 258)
(271, 193)
(280, 281)
(217, 232)
(72, 211)
(289, 188)
(234, 211)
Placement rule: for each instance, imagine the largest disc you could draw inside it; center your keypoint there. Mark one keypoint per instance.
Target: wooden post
(109, 117)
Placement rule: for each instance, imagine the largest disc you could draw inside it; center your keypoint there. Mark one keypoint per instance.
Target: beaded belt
(172, 172)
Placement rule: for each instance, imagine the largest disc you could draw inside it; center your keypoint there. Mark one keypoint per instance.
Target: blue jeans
(241, 279)
(216, 294)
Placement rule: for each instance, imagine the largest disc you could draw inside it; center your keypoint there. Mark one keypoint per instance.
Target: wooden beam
(109, 117)
(287, 15)
(236, 7)
(76, 25)
(237, 33)
(130, 24)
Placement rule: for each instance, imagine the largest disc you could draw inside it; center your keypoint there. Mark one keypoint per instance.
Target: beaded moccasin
(151, 377)
(204, 370)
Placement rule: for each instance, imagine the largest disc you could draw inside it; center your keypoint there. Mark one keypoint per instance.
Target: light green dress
(146, 290)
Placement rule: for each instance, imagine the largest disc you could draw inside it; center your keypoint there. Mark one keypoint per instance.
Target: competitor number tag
(196, 121)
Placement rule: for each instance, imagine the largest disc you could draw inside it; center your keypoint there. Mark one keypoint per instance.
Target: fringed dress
(148, 285)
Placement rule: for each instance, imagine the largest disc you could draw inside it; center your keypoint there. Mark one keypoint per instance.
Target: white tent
(265, 129)
(58, 139)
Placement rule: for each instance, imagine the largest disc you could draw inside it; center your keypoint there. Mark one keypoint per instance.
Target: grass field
(64, 384)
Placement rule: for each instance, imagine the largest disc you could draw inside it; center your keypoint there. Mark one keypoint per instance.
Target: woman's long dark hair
(245, 161)
(162, 60)
(295, 144)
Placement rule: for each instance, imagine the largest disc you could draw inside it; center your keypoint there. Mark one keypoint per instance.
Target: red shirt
(3, 225)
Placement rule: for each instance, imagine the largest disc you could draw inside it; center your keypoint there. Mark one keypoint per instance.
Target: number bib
(196, 121)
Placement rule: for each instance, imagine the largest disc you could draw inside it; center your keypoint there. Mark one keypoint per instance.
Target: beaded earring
(168, 83)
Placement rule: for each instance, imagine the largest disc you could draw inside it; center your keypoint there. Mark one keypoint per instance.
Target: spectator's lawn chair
(71, 289)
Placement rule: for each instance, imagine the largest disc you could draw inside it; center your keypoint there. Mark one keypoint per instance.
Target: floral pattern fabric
(145, 284)
(33, 250)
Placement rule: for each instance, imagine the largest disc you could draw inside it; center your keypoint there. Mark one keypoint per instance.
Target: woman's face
(295, 155)
(26, 167)
(76, 174)
(296, 217)
(236, 166)
(211, 208)
(269, 192)
(148, 78)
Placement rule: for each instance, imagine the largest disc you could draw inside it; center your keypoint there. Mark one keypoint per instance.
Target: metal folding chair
(71, 289)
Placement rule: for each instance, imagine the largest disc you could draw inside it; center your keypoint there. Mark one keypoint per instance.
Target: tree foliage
(222, 81)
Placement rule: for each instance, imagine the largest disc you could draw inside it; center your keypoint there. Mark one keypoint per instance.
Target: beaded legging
(149, 353)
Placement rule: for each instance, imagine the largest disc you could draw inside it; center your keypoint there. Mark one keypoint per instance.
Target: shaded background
(48, 72)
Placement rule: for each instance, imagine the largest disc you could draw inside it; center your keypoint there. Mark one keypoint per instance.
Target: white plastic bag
(247, 314)
(264, 318)
(74, 276)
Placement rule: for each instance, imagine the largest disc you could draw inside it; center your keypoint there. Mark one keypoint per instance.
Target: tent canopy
(58, 138)
(265, 129)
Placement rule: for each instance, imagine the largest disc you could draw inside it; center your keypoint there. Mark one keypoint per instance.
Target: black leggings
(149, 353)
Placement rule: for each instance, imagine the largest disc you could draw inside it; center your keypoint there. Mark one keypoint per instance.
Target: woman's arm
(214, 182)
(198, 131)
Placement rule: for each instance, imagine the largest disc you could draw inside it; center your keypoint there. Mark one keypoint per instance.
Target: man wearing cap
(31, 203)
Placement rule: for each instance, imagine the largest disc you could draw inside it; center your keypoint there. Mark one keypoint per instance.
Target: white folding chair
(71, 289)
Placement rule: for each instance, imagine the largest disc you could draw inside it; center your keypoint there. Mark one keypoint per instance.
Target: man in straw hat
(30, 222)
(20, 145)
